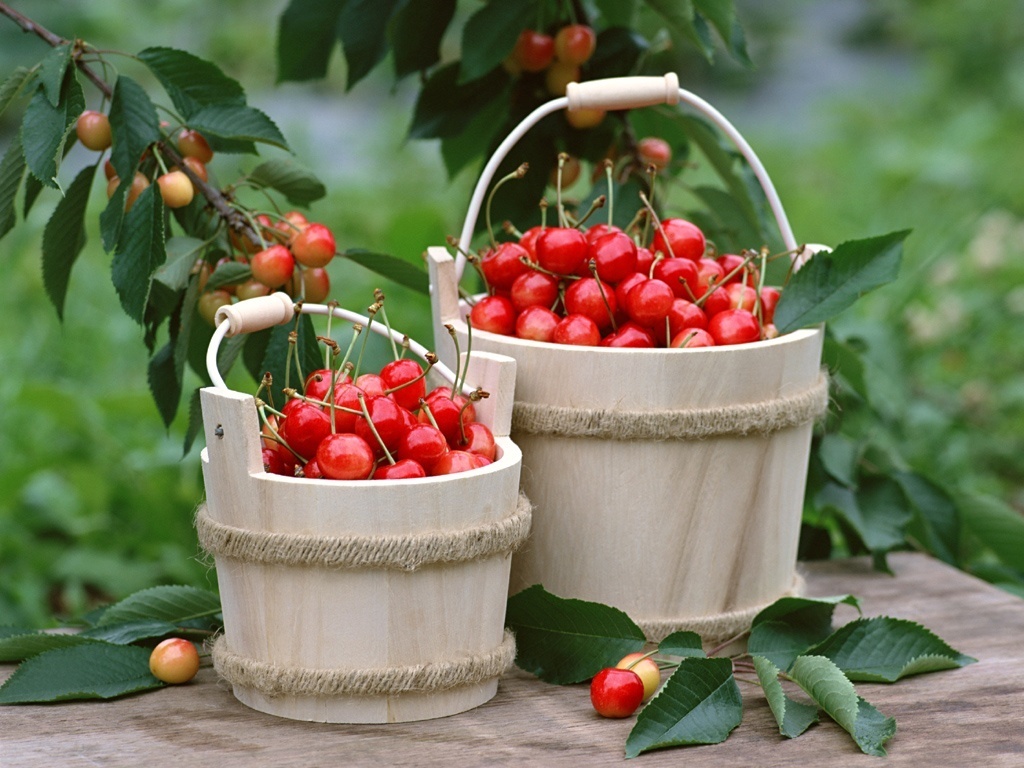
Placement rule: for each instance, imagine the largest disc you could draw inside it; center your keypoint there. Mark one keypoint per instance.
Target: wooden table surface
(964, 717)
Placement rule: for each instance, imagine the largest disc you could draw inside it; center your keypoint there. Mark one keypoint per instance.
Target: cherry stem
(405, 347)
(758, 305)
(611, 193)
(460, 381)
(726, 643)
(592, 266)
(294, 395)
(425, 408)
(518, 173)
(543, 205)
(472, 258)
(431, 359)
(373, 427)
(378, 296)
(538, 268)
(652, 214)
(635, 221)
(458, 355)
(371, 313)
(265, 384)
(562, 220)
(597, 204)
(357, 329)
(277, 435)
(645, 656)
(510, 229)
(331, 305)
(476, 396)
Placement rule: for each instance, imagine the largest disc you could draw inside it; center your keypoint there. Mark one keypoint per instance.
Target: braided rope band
(406, 553)
(686, 424)
(716, 628)
(276, 680)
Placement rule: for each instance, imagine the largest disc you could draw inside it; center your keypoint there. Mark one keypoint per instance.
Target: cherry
(400, 470)
(593, 299)
(93, 130)
(625, 285)
(311, 470)
(629, 335)
(769, 298)
(176, 189)
(646, 668)
(614, 255)
(405, 377)
(649, 302)
(108, 170)
(318, 384)
(559, 75)
(345, 456)
(424, 444)
(502, 265)
(314, 246)
(576, 329)
(251, 289)
(479, 441)
(371, 384)
(448, 412)
(680, 239)
(616, 692)
(305, 427)
(174, 660)
(194, 144)
(680, 275)
(495, 314)
(291, 224)
(685, 314)
(598, 231)
(273, 266)
(644, 261)
(575, 43)
(654, 151)
(562, 250)
(274, 463)
(741, 296)
(139, 183)
(709, 273)
(316, 284)
(533, 51)
(534, 289)
(346, 395)
(209, 302)
(716, 301)
(692, 337)
(734, 326)
(536, 323)
(197, 166)
(581, 119)
(571, 170)
(730, 262)
(388, 422)
(454, 462)
(529, 240)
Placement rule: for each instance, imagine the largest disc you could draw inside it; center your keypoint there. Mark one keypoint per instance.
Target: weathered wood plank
(962, 717)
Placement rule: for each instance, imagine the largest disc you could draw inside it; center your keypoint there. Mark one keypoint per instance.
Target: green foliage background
(919, 127)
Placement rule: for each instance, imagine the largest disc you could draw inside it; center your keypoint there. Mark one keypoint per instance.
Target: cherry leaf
(416, 32)
(45, 128)
(52, 70)
(133, 125)
(683, 644)
(363, 27)
(15, 85)
(190, 81)
(699, 704)
(306, 35)
(794, 717)
(139, 253)
(12, 171)
(564, 640)
(64, 237)
(236, 122)
(391, 267)
(30, 643)
(791, 625)
(490, 34)
(173, 604)
(92, 670)
(296, 183)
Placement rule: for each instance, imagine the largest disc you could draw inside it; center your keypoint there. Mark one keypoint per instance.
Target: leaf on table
(307, 31)
(831, 690)
(92, 670)
(64, 238)
(30, 643)
(791, 625)
(684, 644)
(127, 632)
(173, 603)
(299, 185)
(794, 717)
(490, 34)
(564, 640)
(699, 704)
(832, 281)
(884, 649)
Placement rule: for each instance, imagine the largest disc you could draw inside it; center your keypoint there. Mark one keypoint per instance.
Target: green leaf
(133, 125)
(617, 13)
(296, 183)
(831, 282)
(12, 171)
(737, 228)
(6, 630)
(444, 107)
(877, 511)
(618, 53)
(44, 129)
(490, 34)
(182, 253)
(363, 28)
(416, 33)
(229, 273)
(195, 422)
(393, 268)
(139, 253)
(89, 671)
(276, 355)
(996, 525)
(112, 217)
(794, 717)
(24, 646)
(164, 383)
(306, 33)
(236, 122)
(680, 19)
(32, 189)
(831, 690)
(699, 704)
(839, 456)
(722, 16)
(936, 521)
(127, 632)
(52, 70)
(64, 238)
(190, 81)
(563, 640)
(844, 361)
(683, 644)
(174, 604)
(15, 84)
(477, 139)
(885, 649)
(791, 625)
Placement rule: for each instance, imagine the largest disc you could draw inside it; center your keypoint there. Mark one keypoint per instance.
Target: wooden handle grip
(256, 314)
(624, 92)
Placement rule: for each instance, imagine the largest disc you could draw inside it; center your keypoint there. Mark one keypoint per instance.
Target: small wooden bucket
(360, 601)
(666, 482)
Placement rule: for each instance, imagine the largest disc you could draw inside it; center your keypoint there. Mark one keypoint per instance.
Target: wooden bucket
(666, 482)
(361, 601)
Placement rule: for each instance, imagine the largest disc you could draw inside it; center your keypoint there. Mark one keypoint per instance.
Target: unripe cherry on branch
(175, 189)
(575, 43)
(93, 130)
(139, 183)
(316, 284)
(194, 144)
(654, 151)
(582, 119)
(209, 302)
(570, 173)
(558, 77)
(273, 266)
(198, 167)
(251, 289)
(314, 246)
(534, 51)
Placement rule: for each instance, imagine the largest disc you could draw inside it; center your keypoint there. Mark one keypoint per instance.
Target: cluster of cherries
(291, 254)
(599, 288)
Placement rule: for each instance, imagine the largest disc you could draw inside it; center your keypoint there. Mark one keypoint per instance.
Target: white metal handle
(620, 93)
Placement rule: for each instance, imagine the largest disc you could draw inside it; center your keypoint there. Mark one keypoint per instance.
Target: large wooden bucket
(360, 601)
(666, 482)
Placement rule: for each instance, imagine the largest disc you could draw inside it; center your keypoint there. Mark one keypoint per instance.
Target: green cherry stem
(611, 192)
(562, 220)
(594, 206)
(592, 266)
(458, 356)
(373, 428)
(371, 313)
(378, 296)
(518, 173)
(652, 214)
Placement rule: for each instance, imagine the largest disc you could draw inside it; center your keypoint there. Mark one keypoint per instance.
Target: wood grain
(964, 717)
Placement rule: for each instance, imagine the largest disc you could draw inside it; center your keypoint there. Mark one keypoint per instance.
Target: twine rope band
(399, 552)
(761, 418)
(716, 628)
(277, 680)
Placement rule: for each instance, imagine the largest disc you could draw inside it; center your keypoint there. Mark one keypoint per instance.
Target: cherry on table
(174, 660)
(616, 692)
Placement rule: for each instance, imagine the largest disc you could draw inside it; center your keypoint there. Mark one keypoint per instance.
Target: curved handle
(621, 93)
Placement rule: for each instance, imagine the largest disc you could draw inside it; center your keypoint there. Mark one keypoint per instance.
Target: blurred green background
(870, 117)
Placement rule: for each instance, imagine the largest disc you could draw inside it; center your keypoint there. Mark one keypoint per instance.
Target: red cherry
(533, 51)
(534, 289)
(314, 246)
(769, 298)
(345, 456)
(716, 301)
(274, 463)
(400, 470)
(562, 250)
(598, 231)
(397, 375)
(502, 265)
(447, 413)
(536, 324)
(734, 326)
(479, 441)
(387, 420)
(593, 299)
(455, 461)
(311, 470)
(250, 289)
(625, 285)
(495, 314)
(680, 239)
(709, 273)
(741, 296)
(629, 335)
(316, 284)
(692, 337)
(424, 444)
(680, 275)
(575, 43)
(194, 144)
(305, 427)
(318, 384)
(529, 241)
(731, 263)
(685, 314)
(649, 302)
(644, 261)
(616, 692)
(614, 255)
(654, 151)
(346, 395)
(576, 329)
(273, 266)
